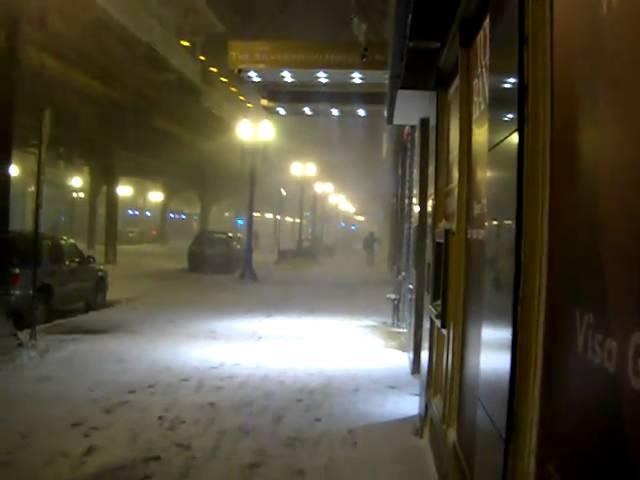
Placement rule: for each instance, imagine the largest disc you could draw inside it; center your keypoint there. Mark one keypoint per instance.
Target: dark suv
(214, 251)
(67, 278)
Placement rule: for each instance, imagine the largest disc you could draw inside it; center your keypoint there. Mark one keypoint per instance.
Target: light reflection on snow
(301, 343)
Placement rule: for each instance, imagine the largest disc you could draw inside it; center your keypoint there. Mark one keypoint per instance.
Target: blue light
(136, 213)
(130, 212)
(354, 227)
(172, 215)
(343, 225)
(240, 221)
(183, 216)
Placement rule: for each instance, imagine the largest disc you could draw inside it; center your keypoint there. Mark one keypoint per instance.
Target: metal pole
(314, 221)
(45, 131)
(93, 193)
(111, 216)
(248, 271)
(323, 222)
(301, 213)
(278, 223)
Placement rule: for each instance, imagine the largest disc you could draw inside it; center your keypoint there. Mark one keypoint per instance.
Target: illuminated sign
(262, 54)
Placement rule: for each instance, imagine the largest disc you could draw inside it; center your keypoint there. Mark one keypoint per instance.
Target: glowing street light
(245, 130)
(76, 181)
(310, 169)
(266, 131)
(337, 199)
(155, 197)
(323, 188)
(347, 207)
(296, 169)
(124, 191)
(317, 234)
(14, 170)
(302, 170)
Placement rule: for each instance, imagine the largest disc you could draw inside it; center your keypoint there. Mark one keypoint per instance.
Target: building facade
(514, 233)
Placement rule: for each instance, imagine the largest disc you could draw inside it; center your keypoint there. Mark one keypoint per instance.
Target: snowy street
(190, 376)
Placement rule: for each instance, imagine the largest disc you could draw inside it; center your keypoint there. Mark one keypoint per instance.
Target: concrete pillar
(163, 233)
(111, 217)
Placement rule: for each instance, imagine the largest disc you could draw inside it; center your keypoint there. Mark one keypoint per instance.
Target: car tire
(98, 298)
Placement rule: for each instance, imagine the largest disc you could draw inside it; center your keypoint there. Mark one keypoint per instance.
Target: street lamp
(336, 199)
(278, 222)
(302, 170)
(124, 191)
(347, 207)
(321, 188)
(155, 197)
(248, 133)
(76, 182)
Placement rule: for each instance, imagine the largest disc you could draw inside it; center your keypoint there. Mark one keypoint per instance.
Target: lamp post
(302, 171)
(346, 208)
(278, 220)
(248, 133)
(320, 188)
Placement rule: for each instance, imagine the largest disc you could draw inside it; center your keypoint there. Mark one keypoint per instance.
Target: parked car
(214, 251)
(66, 278)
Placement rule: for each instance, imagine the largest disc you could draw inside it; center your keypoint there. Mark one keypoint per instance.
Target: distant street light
(347, 207)
(266, 131)
(124, 191)
(76, 182)
(278, 224)
(245, 130)
(155, 197)
(302, 171)
(336, 199)
(321, 188)
(296, 169)
(14, 170)
(248, 133)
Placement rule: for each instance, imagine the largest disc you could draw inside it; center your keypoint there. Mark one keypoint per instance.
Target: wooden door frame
(535, 125)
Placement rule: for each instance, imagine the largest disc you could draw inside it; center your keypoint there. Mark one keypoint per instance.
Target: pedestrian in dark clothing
(369, 247)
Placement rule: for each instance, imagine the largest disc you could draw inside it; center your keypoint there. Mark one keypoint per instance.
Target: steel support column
(111, 217)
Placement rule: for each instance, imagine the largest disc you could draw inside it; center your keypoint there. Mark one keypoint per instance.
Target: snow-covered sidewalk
(202, 377)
